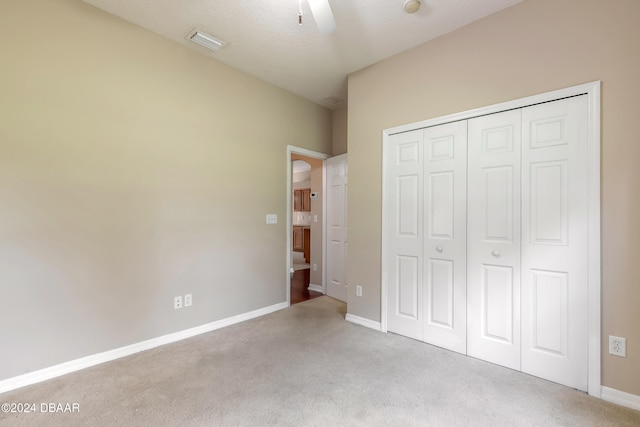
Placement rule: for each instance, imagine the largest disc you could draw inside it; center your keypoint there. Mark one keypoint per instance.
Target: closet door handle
(495, 254)
(439, 249)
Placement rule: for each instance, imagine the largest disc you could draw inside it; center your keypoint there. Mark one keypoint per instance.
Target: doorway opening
(305, 224)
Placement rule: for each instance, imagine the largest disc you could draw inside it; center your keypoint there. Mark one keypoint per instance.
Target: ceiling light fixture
(411, 6)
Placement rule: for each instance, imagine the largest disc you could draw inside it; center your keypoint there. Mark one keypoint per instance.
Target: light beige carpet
(307, 366)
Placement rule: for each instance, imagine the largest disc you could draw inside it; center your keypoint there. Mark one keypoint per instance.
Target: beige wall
(339, 144)
(132, 170)
(534, 47)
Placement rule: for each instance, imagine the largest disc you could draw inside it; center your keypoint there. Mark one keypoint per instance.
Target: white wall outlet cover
(617, 346)
(188, 300)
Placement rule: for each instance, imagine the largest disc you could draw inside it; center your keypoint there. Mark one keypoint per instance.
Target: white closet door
(445, 235)
(554, 241)
(337, 227)
(404, 185)
(493, 253)
(526, 210)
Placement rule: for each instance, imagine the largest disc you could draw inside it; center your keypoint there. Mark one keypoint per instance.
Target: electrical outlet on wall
(358, 291)
(188, 300)
(177, 302)
(617, 346)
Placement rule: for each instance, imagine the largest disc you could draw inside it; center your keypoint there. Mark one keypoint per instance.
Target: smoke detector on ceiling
(411, 6)
(206, 40)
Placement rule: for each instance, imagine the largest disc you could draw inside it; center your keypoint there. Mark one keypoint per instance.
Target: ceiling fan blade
(323, 16)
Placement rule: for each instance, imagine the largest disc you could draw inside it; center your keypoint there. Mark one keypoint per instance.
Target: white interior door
(493, 264)
(337, 244)
(445, 236)
(403, 251)
(554, 241)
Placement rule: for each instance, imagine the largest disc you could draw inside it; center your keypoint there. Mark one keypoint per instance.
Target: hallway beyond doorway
(299, 287)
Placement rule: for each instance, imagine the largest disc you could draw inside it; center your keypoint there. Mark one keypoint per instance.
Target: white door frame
(291, 149)
(592, 91)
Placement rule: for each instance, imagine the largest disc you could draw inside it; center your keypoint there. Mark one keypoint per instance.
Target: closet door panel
(548, 208)
(441, 292)
(444, 262)
(554, 241)
(497, 290)
(493, 253)
(404, 213)
(497, 204)
(440, 204)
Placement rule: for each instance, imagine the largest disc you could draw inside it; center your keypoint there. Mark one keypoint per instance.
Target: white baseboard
(620, 398)
(371, 324)
(316, 288)
(107, 356)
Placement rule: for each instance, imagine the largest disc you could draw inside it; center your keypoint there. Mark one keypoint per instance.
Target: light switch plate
(272, 219)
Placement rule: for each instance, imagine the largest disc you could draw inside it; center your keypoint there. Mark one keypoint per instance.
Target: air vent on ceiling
(205, 40)
(332, 101)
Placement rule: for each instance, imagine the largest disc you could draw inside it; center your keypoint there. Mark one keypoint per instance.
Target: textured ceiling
(265, 40)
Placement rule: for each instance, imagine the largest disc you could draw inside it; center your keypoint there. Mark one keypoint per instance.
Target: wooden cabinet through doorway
(298, 239)
(302, 200)
(302, 241)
